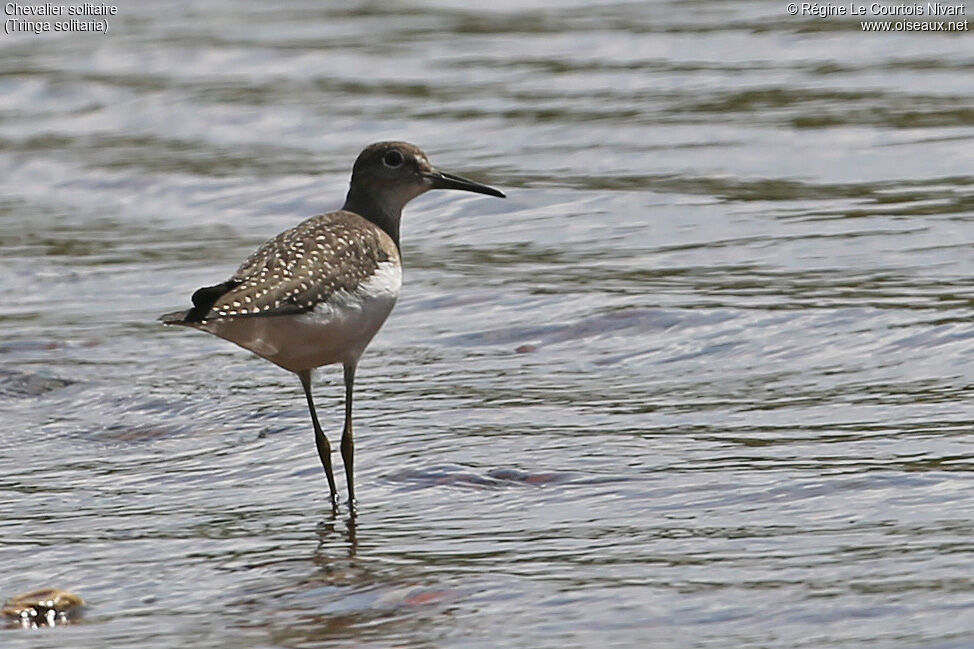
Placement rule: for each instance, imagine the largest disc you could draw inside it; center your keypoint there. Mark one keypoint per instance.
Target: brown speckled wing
(303, 266)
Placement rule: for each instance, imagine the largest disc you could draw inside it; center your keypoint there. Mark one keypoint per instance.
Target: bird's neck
(365, 204)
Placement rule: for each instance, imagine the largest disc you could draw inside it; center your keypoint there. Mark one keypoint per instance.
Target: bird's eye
(392, 159)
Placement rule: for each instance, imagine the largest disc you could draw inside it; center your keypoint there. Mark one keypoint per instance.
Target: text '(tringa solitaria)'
(316, 294)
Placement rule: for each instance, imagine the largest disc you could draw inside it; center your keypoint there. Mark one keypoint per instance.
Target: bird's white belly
(335, 331)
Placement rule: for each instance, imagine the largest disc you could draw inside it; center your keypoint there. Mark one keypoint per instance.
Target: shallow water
(703, 380)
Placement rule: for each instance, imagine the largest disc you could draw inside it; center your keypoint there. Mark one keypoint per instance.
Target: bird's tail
(203, 301)
(175, 318)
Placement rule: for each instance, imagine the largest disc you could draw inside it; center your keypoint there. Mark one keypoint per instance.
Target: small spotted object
(44, 607)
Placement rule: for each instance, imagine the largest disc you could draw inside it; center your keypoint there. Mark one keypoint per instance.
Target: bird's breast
(363, 309)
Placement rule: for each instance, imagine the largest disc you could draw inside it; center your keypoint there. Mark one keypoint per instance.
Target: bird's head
(387, 175)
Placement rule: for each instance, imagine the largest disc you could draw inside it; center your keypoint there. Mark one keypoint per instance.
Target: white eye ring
(393, 159)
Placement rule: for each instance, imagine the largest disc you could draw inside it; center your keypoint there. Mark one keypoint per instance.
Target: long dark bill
(443, 180)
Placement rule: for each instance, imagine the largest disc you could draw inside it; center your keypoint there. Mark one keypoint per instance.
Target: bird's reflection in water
(334, 534)
(350, 597)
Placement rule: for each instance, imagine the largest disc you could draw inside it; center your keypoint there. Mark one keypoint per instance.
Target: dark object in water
(44, 607)
(458, 476)
(14, 383)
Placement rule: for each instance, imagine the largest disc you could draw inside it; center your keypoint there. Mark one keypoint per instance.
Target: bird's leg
(348, 443)
(321, 442)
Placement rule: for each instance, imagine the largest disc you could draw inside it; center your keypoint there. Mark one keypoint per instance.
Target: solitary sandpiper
(316, 294)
